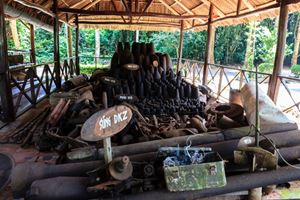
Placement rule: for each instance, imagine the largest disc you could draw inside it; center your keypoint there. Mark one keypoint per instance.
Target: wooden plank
(279, 57)
(180, 47)
(7, 105)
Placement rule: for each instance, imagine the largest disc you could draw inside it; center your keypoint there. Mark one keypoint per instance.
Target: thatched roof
(157, 15)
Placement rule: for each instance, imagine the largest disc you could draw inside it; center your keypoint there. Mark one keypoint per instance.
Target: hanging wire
(274, 146)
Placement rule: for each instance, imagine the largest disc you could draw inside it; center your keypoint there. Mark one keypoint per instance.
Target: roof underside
(152, 15)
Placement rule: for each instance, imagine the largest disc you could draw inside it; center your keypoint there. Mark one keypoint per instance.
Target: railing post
(180, 47)
(77, 67)
(241, 79)
(7, 105)
(208, 50)
(220, 82)
(56, 46)
(279, 57)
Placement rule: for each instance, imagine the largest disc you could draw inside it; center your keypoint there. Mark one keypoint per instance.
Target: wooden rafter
(171, 9)
(238, 7)
(35, 6)
(186, 9)
(146, 8)
(216, 9)
(248, 4)
(131, 23)
(147, 14)
(116, 9)
(91, 4)
(127, 9)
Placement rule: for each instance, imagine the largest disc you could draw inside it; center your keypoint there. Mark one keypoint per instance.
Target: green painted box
(208, 174)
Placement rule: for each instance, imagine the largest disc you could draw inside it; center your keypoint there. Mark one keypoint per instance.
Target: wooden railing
(223, 78)
(32, 83)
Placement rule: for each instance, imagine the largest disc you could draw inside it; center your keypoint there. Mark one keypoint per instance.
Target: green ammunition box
(208, 174)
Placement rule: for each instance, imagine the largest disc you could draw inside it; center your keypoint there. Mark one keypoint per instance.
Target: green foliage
(295, 69)
(230, 43)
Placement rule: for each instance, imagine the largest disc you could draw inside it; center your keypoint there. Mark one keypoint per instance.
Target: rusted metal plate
(131, 67)
(109, 80)
(106, 123)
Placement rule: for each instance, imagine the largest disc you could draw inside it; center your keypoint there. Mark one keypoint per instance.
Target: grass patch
(89, 69)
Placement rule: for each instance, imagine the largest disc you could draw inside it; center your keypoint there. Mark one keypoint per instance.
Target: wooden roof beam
(217, 10)
(127, 9)
(146, 8)
(91, 4)
(187, 10)
(116, 9)
(35, 6)
(248, 4)
(171, 9)
(132, 23)
(147, 14)
(79, 3)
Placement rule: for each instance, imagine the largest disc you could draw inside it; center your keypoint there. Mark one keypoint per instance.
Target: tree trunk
(97, 47)
(296, 44)
(14, 32)
(249, 57)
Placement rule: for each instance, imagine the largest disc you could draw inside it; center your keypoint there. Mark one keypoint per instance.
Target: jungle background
(245, 45)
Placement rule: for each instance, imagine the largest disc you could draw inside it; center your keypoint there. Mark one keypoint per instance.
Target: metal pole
(7, 105)
(180, 47)
(56, 46)
(106, 142)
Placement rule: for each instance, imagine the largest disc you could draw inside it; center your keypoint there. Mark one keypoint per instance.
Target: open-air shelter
(146, 15)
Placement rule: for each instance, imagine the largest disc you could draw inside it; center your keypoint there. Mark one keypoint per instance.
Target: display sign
(131, 67)
(106, 123)
(126, 97)
(109, 80)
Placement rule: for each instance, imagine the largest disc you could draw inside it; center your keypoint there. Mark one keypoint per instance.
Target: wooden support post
(180, 47)
(69, 41)
(32, 45)
(7, 104)
(279, 58)
(77, 67)
(209, 42)
(137, 36)
(56, 46)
